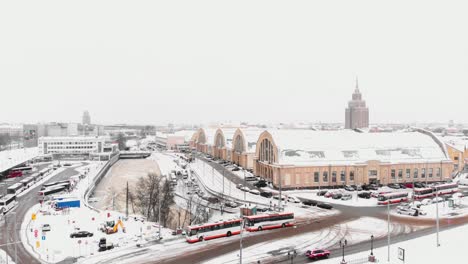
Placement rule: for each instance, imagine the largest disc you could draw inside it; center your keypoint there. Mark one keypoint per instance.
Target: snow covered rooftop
(303, 147)
(251, 137)
(458, 142)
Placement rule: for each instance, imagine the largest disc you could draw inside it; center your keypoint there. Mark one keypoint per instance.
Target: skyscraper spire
(357, 85)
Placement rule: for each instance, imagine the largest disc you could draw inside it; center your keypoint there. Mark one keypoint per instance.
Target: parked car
(245, 189)
(317, 254)
(81, 234)
(329, 194)
(239, 186)
(321, 193)
(256, 192)
(310, 202)
(365, 195)
(325, 206)
(337, 196)
(419, 185)
(45, 228)
(230, 204)
(266, 194)
(409, 185)
(293, 199)
(346, 196)
(262, 209)
(358, 187)
(426, 201)
(373, 186)
(260, 184)
(236, 169)
(437, 200)
(366, 187)
(277, 197)
(408, 211)
(349, 188)
(402, 185)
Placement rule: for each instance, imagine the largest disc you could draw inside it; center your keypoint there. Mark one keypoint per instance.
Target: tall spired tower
(357, 113)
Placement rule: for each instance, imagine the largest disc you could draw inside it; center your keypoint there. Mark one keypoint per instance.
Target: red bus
(392, 198)
(445, 188)
(213, 230)
(422, 193)
(268, 221)
(15, 173)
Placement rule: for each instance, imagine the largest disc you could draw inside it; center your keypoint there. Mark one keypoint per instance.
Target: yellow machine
(115, 228)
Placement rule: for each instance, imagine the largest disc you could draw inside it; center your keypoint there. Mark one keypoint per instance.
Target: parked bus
(52, 190)
(213, 230)
(445, 188)
(14, 174)
(422, 193)
(7, 203)
(23, 169)
(15, 188)
(50, 184)
(27, 181)
(392, 198)
(268, 221)
(44, 171)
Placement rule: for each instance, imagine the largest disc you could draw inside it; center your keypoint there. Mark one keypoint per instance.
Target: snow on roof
(228, 135)
(458, 142)
(209, 134)
(251, 137)
(187, 134)
(301, 147)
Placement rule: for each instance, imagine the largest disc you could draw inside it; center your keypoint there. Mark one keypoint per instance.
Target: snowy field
(445, 211)
(11, 158)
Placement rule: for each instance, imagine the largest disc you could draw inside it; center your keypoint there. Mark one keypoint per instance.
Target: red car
(317, 254)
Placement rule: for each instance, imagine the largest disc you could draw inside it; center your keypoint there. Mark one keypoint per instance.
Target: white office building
(70, 146)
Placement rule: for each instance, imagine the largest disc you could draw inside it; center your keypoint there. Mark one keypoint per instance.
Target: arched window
(266, 151)
(239, 145)
(219, 141)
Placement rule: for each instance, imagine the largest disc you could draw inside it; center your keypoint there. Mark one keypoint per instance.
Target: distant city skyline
(272, 62)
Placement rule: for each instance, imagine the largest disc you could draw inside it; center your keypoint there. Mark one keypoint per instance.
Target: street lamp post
(388, 231)
(372, 245)
(437, 213)
(342, 245)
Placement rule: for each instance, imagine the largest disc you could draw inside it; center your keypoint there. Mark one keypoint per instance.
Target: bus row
(232, 227)
(27, 182)
(418, 194)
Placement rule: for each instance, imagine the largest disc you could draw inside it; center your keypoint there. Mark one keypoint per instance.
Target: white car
(45, 227)
(437, 200)
(245, 189)
(426, 201)
(293, 199)
(256, 192)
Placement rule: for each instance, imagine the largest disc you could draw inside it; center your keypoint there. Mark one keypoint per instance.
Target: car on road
(349, 188)
(293, 199)
(325, 206)
(317, 254)
(346, 196)
(337, 196)
(310, 202)
(262, 209)
(365, 195)
(45, 228)
(322, 192)
(256, 192)
(266, 194)
(81, 234)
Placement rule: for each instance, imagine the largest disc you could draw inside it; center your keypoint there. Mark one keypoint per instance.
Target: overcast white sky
(202, 61)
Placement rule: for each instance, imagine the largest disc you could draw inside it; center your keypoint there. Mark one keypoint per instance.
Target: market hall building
(312, 159)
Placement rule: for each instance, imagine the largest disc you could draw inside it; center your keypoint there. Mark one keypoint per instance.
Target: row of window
(333, 176)
(430, 173)
(70, 147)
(71, 143)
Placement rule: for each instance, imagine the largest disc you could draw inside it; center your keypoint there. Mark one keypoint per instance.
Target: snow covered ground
(445, 211)
(355, 200)
(56, 245)
(4, 256)
(11, 158)
(354, 231)
(420, 250)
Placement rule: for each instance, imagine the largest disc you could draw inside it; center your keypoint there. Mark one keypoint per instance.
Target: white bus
(255, 223)
(210, 231)
(27, 181)
(392, 198)
(445, 188)
(15, 188)
(422, 193)
(7, 203)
